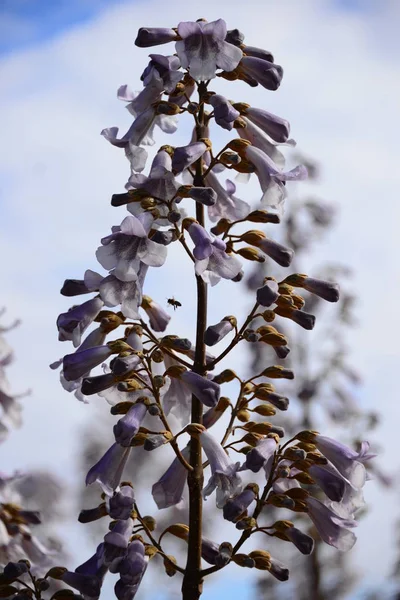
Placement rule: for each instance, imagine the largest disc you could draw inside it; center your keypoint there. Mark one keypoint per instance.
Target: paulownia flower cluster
(148, 374)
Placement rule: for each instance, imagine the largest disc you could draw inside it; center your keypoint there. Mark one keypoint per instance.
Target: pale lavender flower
(205, 390)
(203, 49)
(277, 128)
(212, 262)
(178, 398)
(80, 363)
(333, 529)
(128, 426)
(153, 36)
(278, 569)
(184, 156)
(258, 53)
(165, 69)
(333, 484)
(168, 490)
(227, 205)
(116, 541)
(268, 293)
(73, 323)
(128, 246)
(205, 195)
(158, 317)
(224, 475)
(271, 178)
(160, 183)
(121, 365)
(97, 384)
(259, 139)
(216, 333)
(259, 455)
(235, 507)
(302, 318)
(121, 503)
(224, 113)
(211, 553)
(128, 294)
(345, 459)
(108, 470)
(76, 287)
(266, 73)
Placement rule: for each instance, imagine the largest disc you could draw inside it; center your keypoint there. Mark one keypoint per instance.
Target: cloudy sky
(60, 66)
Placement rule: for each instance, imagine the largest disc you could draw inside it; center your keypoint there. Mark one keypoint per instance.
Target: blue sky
(60, 64)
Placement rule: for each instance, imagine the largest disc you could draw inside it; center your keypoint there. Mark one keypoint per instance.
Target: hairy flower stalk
(147, 377)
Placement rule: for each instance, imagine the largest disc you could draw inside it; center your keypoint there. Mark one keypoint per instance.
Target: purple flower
(277, 128)
(128, 246)
(134, 564)
(158, 317)
(88, 577)
(205, 390)
(205, 195)
(168, 490)
(97, 384)
(235, 507)
(113, 292)
(116, 541)
(303, 542)
(165, 69)
(121, 365)
(108, 470)
(128, 426)
(324, 289)
(278, 570)
(212, 262)
(266, 73)
(280, 254)
(259, 139)
(227, 205)
(153, 36)
(333, 484)
(73, 323)
(121, 503)
(271, 178)
(258, 456)
(268, 293)
(333, 529)
(76, 287)
(184, 156)
(81, 362)
(224, 113)
(203, 49)
(160, 183)
(216, 333)
(224, 475)
(347, 461)
(211, 553)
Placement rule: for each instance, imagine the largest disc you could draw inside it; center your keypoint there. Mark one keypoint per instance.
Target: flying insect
(174, 303)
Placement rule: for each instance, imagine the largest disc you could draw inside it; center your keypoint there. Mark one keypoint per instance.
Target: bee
(173, 302)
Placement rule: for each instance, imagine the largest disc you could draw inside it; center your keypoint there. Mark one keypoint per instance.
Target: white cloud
(340, 92)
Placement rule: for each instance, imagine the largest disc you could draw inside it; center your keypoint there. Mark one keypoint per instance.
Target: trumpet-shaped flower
(224, 477)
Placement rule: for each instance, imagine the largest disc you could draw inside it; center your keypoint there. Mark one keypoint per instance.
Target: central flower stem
(192, 586)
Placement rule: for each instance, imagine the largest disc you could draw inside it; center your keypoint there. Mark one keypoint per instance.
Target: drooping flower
(259, 139)
(121, 503)
(212, 262)
(178, 398)
(266, 73)
(153, 36)
(302, 541)
(213, 553)
(108, 470)
(224, 475)
(332, 528)
(271, 178)
(236, 506)
(227, 205)
(128, 426)
(216, 333)
(134, 564)
(116, 541)
(260, 454)
(224, 113)
(205, 390)
(76, 287)
(326, 290)
(185, 156)
(88, 577)
(268, 293)
(168, 490)
(165, 69)
(203, 49)
(73, 323)
(277, 128)
(348, 462)
(158, 317)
